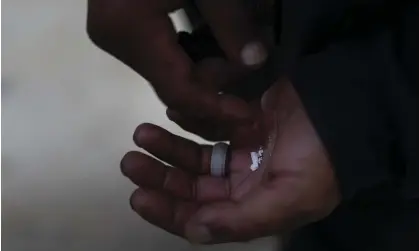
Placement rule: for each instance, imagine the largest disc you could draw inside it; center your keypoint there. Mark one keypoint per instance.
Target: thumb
(235, 31)
(280, 95)
(261, 214)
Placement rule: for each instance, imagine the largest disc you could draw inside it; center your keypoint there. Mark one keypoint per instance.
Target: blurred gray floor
(69, 111)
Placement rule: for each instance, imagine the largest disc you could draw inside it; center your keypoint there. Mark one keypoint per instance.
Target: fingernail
(253, 53)
(198, 234)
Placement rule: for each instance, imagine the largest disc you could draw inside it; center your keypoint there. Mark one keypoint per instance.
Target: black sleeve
(361, 93)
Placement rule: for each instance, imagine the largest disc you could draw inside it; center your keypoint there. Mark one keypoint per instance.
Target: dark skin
(296, 183)
(141, 35)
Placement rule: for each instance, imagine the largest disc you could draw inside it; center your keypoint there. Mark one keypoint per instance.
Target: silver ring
(218, 159)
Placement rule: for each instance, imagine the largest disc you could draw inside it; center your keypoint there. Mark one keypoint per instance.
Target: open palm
(175, 194)
(295, 184)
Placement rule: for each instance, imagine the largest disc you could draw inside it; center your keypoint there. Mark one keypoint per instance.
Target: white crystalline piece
(255, 161)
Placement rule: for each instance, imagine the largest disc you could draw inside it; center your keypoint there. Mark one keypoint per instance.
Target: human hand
(140, 34)
(217, 74)
(294, 186)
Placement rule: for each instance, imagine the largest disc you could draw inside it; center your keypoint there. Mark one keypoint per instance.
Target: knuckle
(180, 100)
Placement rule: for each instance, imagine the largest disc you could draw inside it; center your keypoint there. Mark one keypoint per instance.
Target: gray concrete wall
(69, 111)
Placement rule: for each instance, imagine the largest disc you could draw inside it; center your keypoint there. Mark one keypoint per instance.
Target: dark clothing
(355, 65)
(356, 69)
(379, 226)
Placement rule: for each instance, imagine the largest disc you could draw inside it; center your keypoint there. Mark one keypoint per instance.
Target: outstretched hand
(294, 186)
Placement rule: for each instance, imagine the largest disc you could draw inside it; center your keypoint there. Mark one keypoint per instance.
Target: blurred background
(69, 111)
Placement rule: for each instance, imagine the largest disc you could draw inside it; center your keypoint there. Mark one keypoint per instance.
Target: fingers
(262, 213)
(162, 210)
(203, 103)
(149, 173)
(201, 128)
(255, 133)
(188, 156)
(177, 151)
(271, 206)
(217, 74)
(237, 35)
(211, 222)
(140, 34)
(200, 44)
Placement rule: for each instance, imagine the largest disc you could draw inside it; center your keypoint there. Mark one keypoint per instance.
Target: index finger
(141, 34)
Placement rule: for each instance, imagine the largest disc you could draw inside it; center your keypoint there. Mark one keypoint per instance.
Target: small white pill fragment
(256, 158)
(255, 161)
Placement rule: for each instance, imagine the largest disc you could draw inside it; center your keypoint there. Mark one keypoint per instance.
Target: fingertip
(138, 199)
(126, 164)
(145, 133)
(253, 54)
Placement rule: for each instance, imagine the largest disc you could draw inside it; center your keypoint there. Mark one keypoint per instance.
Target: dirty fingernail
(253, 53)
